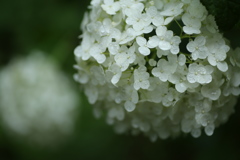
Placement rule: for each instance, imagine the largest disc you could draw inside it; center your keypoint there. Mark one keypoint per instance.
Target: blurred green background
(52, 26)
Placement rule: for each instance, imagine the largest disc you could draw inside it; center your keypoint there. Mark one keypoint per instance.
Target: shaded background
(52, 26)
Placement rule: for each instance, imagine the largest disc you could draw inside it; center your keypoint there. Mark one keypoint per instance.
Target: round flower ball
(157, 67)
(37, 101)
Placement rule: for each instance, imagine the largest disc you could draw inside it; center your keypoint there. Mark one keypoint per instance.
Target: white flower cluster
(37, 102)
(160, 67)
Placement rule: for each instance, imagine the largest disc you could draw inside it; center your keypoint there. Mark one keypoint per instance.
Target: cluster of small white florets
(37, 101)
(157, 66)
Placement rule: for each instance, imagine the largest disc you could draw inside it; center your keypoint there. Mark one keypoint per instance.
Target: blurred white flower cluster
(160, 67)
(37, 101)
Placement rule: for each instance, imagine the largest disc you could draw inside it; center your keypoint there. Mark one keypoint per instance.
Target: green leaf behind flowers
(226, 12)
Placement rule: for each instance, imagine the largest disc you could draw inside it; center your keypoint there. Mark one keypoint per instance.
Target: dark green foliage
(227, 12)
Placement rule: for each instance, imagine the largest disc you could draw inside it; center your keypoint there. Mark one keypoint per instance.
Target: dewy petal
(210, 92)
(180, 87)
(175, 49)
(182, 59)
(113, 48)
(192, 67)
(195, 55)
(191, 78)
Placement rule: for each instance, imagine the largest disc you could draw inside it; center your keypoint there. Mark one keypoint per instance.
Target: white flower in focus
(155, 16)
(165, 37)
(192, 24)
(217, 58)
(143, 49)
(199, 73)
(138, 20)
(175, 41)
(171, 10)
(125, 57)
(198, 48)
(180, 80)
(165, 68)
(110, 6)
(37, 102)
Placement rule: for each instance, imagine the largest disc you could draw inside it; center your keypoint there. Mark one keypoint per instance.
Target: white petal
(212, 60)
(155, 72)
(78, 51)
(191, 30)
(161, 30)
(108, 2)
(153, 42)
(129, 106)
(191, 78)
(147, 29)
(141, 41)
(113, 48)
(136, 85)
(200, 40)
(175, 49)
(209, 129)
(180, 87)
(182, 59)
(168, 20)
(164, 45)
(163, 77)
(100, 58)
(222, 66)
(145, 84)
(144, 51)
(191, 46)
(116, 78)
(157, 21)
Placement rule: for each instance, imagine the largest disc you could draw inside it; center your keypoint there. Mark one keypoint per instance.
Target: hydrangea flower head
(37, 101)
(162, 67)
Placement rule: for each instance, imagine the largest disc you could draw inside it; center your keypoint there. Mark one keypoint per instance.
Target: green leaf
(226, 12)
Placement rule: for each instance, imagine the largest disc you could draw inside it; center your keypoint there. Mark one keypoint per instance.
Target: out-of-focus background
(53, 27)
